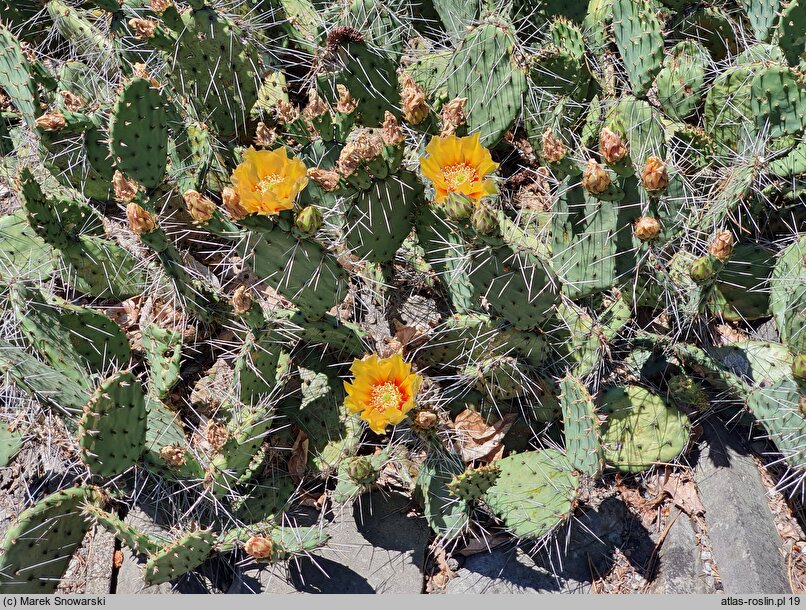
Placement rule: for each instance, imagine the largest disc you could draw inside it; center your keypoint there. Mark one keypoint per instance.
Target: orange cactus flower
(460, 166)
(268, 181)
(383, 390)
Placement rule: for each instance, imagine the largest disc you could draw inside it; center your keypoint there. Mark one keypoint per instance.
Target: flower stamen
(459, 174)
(386, 396)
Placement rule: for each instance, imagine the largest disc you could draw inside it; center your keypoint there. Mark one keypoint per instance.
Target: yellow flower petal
(383, 390)
(458, 165)
(268, 181)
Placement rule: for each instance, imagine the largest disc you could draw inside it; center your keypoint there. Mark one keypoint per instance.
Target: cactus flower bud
(125, 189)
(654, 177)
(52, 121)
(140, 220)
(453, 115)
(722, 246)
(259, 547)
(309, 220)
(327, 179)
(483, 220)
(799, 366)
(412, 97)
(360, 470)
(173, 455)
(346, 104)
(232, 204)
(143, 28)
(391, 134)
(553, 148)
(199, 207)
(646, 228)
(71, 101)
(595, 179)
(458, 207)
(611, 146)
(802, 405)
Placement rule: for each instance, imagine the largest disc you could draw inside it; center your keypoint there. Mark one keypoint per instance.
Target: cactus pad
(112, 430)
(641, 430)
(535, 492)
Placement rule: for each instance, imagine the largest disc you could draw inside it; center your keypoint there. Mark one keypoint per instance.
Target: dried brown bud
(367, 145)
(646, 228)
(391, 134)
(173, 455)
(71, 101)
(264, 135)
(158, 6)
(553, 148)
(52, 121)
(125, 189)
(328, 180)
(143, 28)
(595, 179)
(612, 147)
(286, 112)
(412, 97)
(217, 435)
(140, 220)
(199, 207)
(241, 300)
(654, 176)
(348, 160)
(346, 103)
(232, 204)
(316, 105)
(425, 420)
(139, 70)
(722, 246)
(259, 547)
(453, 115)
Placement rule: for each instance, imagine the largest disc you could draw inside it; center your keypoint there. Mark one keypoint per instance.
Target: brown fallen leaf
(478, 440)
(298, 461)
(681, 490)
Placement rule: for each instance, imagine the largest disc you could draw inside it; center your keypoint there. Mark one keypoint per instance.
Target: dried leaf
(298, 461)
(478, 440)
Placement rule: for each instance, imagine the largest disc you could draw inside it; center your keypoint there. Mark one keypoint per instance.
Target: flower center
(386, 396)
(267, 184)
(459, 174)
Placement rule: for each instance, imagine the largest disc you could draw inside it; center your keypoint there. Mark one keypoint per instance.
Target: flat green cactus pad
(179, 557)
(534, 493)
(112, 431)
(641, 430)
(40, 542)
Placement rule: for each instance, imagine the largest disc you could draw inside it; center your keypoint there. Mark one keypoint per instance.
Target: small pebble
(706, 555)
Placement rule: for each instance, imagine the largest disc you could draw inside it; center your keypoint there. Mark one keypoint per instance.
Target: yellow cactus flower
(383, 390)
(268, 181)
(459, 165)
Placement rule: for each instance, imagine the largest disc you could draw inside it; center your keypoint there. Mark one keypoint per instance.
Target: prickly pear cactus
(256, 255)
